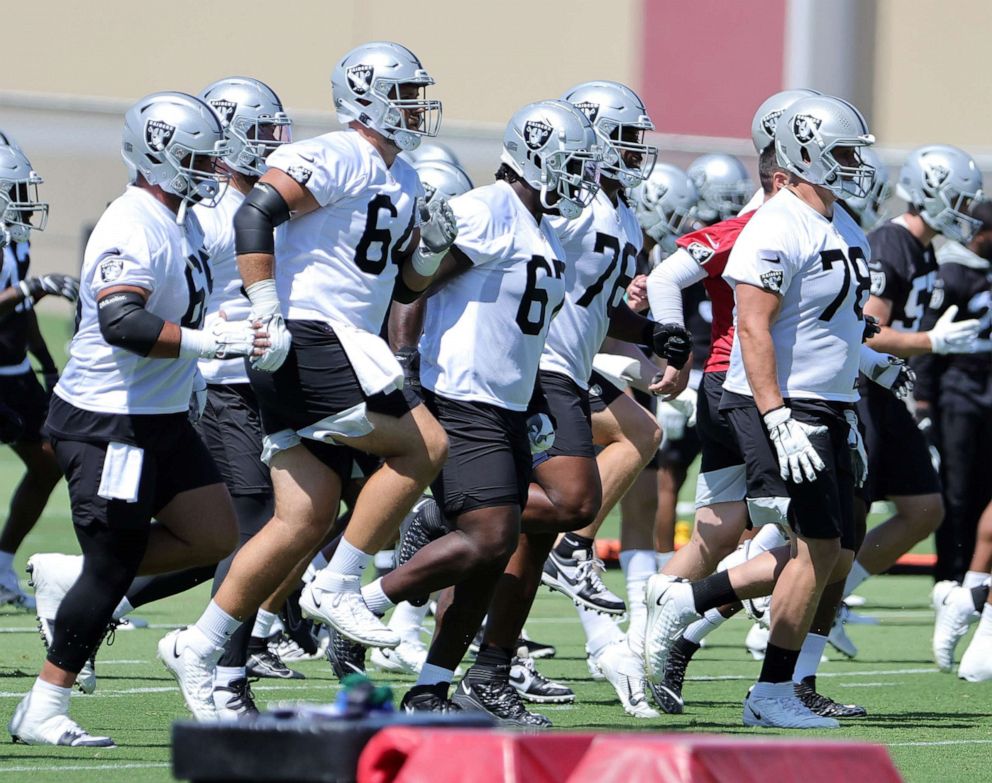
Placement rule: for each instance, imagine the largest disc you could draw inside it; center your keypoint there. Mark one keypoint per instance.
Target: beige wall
(488, 56)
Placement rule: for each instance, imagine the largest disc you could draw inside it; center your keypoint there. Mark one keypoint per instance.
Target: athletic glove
(50, 377)
(223, 340)
(797, 459)
(672, 342)
(541, 432)
(438, 231)
(198, 399)
(267, 317)
(950, 336)
(66, 286)
(888, 371)
(859, 457)
(409, 359)
(872, 327)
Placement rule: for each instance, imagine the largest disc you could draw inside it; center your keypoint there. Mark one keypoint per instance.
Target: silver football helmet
(437, 176)
(553, 147)
(253, 119)
(723, 184)
(620, 120)
(21, 211)
(175, 141)
(869, 208)
(665, 205)
(810, 135)
(432, 151)
(366, 87)
(942, 182)
(763, 124)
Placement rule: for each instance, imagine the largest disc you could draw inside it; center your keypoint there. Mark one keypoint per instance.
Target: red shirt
(711, 247)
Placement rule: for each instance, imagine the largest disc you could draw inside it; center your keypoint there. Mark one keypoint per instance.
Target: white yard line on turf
(114, 692)
(939, 742)
(82, 767)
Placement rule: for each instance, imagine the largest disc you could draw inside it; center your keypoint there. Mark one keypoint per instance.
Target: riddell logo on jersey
(158, 134)
(537, 133)
(360, 78)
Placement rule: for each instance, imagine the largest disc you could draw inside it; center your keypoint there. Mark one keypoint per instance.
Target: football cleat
(955, 612)
(668, 693)
(594, 671)
(86, 679)
(976, 663)
(51, 575)
(57, 729)
(346, 611)
(824, 705)
(193, 672)
(406, 658)
(234, 701)
(536, 649)
(425, 523)
(282, 646)
(756, 641)
(534, 686)
(783, 712)
(578, 577)
(297, 628)
(625, 672)
(345, 656)
(12, 594)
(491, 692)
(670, 610)
(428, 698)
(838, 637)
(263, 662)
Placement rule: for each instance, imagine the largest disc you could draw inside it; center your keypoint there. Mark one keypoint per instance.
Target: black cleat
(578, 578)
(668, 693)
(345, 656)
(235, 701)
(536, 649)
(824, 705)
(428, 698)
(425, 523)
(263, 662)
(490, 691)
(297, 627)
(534, 686)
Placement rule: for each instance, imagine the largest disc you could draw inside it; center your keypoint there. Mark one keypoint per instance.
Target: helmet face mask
(570, 182)
(724, 186)
(869, 208)
(21, 208)
(942, 182)
(665, 205)
(441, 177)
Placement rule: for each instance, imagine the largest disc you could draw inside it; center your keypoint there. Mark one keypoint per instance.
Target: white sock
(432, 675)
(385, 559)
(640, 567)
(809, 657)
(347, 560)
(375, 599)
(773, 690)
(600, 630)
(216, 625)
(123, 608)
(767, 538)
(974, 579)
(263, 624)
(855, 578)
(225, 675)
(318, 564)
(661, 560)
(408, 620)
(49, 699)
(985, 624)
(6, 561)
(709, 622)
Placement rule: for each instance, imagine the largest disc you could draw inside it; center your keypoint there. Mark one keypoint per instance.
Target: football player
(793, 418)
(327, 383)
(120, 415)
(23, 401)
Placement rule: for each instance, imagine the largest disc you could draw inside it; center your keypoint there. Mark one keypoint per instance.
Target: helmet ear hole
(806, 157)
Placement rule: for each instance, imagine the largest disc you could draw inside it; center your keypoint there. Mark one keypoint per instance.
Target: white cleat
(955, 612)
(625, 672)
(193, 672)
(594, 671)
(86, 679)
(782, 712)
(406, 658)
(12, 594)
(976, 663)
(57, 729)
(346, 611)
(838, 637)
(51, 575)
(670, 610)
(756, 641)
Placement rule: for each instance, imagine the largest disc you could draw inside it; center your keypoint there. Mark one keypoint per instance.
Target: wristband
(426, 263)
(263, 297)
(196, 344)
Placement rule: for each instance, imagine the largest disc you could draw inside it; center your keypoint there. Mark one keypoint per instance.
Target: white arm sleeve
(665, 285)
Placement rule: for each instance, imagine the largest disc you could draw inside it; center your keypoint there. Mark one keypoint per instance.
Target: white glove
(672, 420)
(438, 231)
(859, 457)
(796, 456)
(686, 403)
(888, 371)
(541, 433)
(950, 336)
(223, 340)
(265, 311)
(198, 399)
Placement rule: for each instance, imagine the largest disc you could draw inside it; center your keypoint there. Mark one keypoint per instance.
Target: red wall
(709, 63)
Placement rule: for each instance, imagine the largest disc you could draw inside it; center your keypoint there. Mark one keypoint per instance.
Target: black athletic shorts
(232, 431)
(898, 453)
(175, 460)
(680, 453)
(718, 444)
(602, 392)
(317, 381)
(489, 459)
(820, 509)
(569, 405)
(23, 408)
(649, 402)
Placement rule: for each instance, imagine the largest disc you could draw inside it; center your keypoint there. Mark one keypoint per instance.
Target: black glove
(50, 377)
(672, 342)
(872, 327)
(409, 359)
(65, 286)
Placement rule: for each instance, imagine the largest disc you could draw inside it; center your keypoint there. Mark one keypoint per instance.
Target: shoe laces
(243, 700)
(590, 570)
(270, 658)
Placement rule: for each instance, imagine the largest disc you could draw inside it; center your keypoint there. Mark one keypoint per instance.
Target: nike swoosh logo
(756, 714)
(307, 158)
(316, 600)
(465, 689)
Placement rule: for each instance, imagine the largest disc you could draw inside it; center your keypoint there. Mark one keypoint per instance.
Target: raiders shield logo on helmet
(934, 174)
(536, 134)
(589, 109)
(158, 134)
(224, 108)
(805, 126)
(769, 121)
(360, 78)
(699, 252)
(772, 281)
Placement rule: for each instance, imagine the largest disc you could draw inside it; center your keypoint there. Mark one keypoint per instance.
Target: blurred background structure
(71, 69)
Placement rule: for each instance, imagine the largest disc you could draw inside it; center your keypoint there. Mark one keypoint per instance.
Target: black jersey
(14, 327)
(903, 271)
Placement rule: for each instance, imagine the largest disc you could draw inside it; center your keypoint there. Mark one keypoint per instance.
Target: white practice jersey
(485, 328)
(338, 263)
(601, 247)
(218, 230)
(137, 242)
(819, 267)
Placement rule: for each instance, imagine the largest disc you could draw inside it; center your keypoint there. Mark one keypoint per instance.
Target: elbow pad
(125, 323)
(257, 218)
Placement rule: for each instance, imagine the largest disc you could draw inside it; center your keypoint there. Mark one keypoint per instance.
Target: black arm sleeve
(257, 218)
(125, 323)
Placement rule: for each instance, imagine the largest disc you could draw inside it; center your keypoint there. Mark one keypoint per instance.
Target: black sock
(779, 664)
(257, 644)
(683, 649)
(490, 658)
(980, 595)
(713, 591)
(572, 541)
